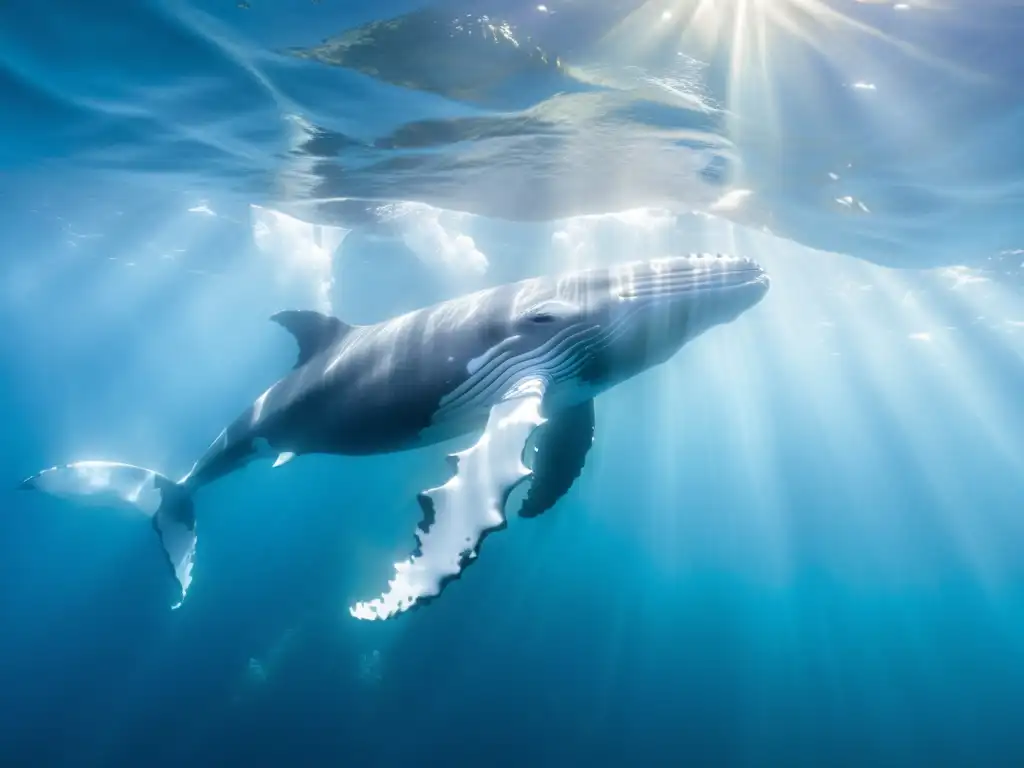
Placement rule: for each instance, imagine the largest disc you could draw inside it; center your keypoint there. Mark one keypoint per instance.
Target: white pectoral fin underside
(459, 514)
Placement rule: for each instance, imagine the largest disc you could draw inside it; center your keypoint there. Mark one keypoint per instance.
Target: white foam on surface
(303, 253)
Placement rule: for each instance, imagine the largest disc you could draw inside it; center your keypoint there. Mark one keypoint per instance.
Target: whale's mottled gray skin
(437, 372)
(384, 387)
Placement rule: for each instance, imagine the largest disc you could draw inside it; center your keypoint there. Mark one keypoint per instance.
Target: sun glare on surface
(766, 47)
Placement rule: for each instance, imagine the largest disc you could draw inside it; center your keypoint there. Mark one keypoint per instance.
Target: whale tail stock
(111, 484)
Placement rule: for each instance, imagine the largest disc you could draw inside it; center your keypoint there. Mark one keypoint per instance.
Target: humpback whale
(519, 364)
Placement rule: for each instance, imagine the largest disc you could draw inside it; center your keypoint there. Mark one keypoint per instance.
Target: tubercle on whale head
(647, 310)
(684, 277)
(589, 330)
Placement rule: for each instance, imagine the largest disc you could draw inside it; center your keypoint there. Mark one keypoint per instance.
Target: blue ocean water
(797, 543)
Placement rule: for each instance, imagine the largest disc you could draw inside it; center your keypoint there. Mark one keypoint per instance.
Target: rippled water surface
(886, 131)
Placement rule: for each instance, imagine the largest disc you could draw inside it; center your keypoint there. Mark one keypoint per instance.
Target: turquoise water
(796, 543)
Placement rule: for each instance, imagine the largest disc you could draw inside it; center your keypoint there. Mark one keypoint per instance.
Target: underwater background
(796, 543)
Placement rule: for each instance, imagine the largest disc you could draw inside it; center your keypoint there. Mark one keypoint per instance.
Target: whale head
(599, 327)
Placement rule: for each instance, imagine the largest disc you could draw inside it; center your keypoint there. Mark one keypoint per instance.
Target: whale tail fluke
(112, 484)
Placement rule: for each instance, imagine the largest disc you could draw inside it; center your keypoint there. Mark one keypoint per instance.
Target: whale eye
(549, 312)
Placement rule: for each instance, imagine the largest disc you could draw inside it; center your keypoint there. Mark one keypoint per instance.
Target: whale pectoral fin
(561, 451)
(459, 515)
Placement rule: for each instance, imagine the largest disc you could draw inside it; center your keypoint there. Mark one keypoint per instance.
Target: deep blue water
(797, 543)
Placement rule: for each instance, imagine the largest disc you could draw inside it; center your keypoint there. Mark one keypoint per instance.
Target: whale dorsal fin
(314, 331)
